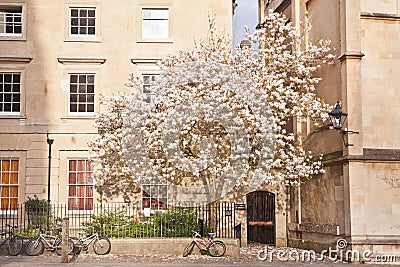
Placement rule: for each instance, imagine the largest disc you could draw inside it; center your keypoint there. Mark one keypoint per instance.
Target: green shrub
(178, 222)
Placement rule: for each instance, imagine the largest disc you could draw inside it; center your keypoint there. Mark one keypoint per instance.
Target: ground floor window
(9, 182)
(154, 197)
(80, 185)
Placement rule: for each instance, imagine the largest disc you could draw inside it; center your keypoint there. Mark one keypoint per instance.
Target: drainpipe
(49, 142)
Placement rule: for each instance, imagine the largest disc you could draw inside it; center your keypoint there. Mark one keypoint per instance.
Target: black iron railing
(123, 220)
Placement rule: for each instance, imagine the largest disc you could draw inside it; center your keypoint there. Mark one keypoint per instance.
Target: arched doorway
(261, 217)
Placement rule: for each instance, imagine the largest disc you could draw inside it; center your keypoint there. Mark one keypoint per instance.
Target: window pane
(5, 192)
(5, 178)
(89, 204)
(72, 205)
(82, 108)
(81, 178)
(81, 203)
(154, 191)
(90, 99)
(80, 190)
(73, 108)
(146, 190)
(72, 191)
(72, 165)
(89, 191)
(83, 13)
(162, 191)
(13, 191)
(72, 178)
(7, 97)
(154, 204)
(74, 22)
(146, 202)
(14, 165)
(162, 204)
(91, 30)
(13, 178)
(73, 98)
(90, 89)
(74, 12)
(90, 108)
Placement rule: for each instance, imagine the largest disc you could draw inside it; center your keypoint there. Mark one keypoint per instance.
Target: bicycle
(214, 248)
(15, 242)
(36, 246)
(101, 244)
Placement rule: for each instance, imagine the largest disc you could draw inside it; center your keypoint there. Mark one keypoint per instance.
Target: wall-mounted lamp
(245, 44)
(338, 117)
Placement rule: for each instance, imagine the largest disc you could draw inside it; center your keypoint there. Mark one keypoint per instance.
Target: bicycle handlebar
(11, 226)
(196, 234)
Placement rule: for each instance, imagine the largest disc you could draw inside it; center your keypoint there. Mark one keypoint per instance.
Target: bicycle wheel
(188, 249)
(216, 248)
(15, 245)
(102, 245)
(34, 247)
(77, 245)
(58, 246)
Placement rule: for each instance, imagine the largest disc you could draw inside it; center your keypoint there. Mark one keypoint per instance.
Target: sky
(246, 13)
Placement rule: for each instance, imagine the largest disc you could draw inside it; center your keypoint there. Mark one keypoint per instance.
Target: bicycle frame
(92, 238)
(2, 241)
(200, 242)
(45, 238)
(10, 234)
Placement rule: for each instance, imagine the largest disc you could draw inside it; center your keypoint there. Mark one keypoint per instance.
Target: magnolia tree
(218, 119)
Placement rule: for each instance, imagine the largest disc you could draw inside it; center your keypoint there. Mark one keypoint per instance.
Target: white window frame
(79, 19)
(69, 37)
(3, 93)
(80, 113)
(148, 95)
(12, 4)
(15, 211)
(157, 20)
(78, 211)
(141, 34)
(148, 211)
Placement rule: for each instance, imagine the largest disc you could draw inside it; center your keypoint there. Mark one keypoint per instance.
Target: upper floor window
(10, 20)
(81, 94)
(82, 21)
(80, 185)
(155, 23)
(148, 79)
(9, 177)
(10, 93)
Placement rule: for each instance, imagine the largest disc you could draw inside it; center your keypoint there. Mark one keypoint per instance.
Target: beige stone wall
(375, 201)
(49, 55)
(381, 123)
(379, 6)
(358, 192)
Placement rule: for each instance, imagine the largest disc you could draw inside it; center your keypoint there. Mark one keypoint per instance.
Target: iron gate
(261, 217)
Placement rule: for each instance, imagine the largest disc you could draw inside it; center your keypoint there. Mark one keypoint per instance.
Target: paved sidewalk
(150, 261)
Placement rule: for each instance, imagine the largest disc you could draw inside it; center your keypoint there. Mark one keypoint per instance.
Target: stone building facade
(358, 197)
(56, 57)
